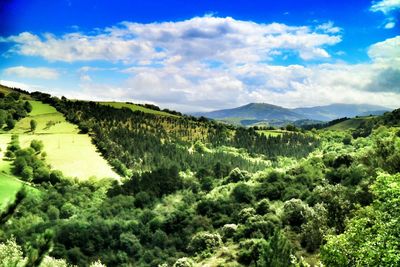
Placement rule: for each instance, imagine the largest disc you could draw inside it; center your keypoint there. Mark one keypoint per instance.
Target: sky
(204, 55)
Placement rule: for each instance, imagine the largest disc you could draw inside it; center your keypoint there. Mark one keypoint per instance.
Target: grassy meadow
(66, 149)
(9, 185)
(352, 123)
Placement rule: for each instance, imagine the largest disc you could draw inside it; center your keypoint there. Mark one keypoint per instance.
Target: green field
(67, 150)
(349, 124)
(134, 107)
(49, 121)
(9, 185)
(6, 90)
(271, 132)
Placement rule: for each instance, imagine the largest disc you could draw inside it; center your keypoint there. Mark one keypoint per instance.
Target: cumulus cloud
(26, 72)
(199, 38)
(329, 27)
(386, 53)
(389, 8)
(207, 63)
(385, 6)
(199, 87)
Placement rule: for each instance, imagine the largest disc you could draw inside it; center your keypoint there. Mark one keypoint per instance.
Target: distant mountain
(254, 111)
(335, 111)
(262, 113)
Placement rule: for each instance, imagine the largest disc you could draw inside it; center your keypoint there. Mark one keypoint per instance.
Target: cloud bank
(25, 72)
(209, 63)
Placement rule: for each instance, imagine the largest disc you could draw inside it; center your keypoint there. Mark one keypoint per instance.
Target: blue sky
(203, 55)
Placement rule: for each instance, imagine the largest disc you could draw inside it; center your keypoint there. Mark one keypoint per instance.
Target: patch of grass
(9, 184)
(49, 121)
(271, 132)
(66, 149)
(134, 107)
(73, 154)
(6, 90)
(349, 124)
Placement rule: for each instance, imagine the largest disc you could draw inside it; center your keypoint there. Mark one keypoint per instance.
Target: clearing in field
(66, 149)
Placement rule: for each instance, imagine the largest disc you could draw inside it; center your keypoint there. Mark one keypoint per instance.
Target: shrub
(242, 193)
(204, 242)
(183, 262)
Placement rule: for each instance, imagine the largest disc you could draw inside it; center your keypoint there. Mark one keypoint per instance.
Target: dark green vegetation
(266, 114)
(12, 108)
(200, 193)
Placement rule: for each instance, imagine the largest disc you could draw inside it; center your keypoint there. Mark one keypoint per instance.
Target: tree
(27, 106)
(371, 236)
(295, 213)
(33, 124)
(37, 145)
(242, 193)
(10, 123)
(11, 254)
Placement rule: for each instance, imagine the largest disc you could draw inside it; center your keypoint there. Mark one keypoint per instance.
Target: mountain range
(263, 113)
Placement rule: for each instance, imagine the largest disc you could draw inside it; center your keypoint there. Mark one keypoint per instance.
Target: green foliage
(242, 193)
(183, 262)
(37, 145)
(33, 125)
(371, 237)
(295, 213)
(204, 242)
(11, 254)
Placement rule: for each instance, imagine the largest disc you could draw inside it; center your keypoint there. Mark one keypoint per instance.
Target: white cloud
(211, 63)
(329, 27)
(390, 25)
(26, 72)
(199, 87)
(200, 38)
(388, 7)
(387, 52)
(385, 6)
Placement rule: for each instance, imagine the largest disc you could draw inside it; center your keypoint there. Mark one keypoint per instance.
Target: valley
(184, 191)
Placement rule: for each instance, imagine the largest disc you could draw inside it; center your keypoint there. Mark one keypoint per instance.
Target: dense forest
(199, 193)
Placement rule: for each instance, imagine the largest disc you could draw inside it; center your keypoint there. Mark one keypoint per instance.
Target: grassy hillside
(6, 90)
(67, 150)
(9, 185)
(271, 132)
(134, 107)
(349, 124)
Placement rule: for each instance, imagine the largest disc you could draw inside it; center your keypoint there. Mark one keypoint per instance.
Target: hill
(67, 150)
(335, 111)
(261, 113)
(352, 123)
(198, 192)
(136, 107)
(253, 113)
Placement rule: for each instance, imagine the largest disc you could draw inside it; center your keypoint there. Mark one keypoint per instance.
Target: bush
(229, 230)
(204, 242)
(242, 193)
(263, 207)
(183, 262)
(295, 213)
(37, 145)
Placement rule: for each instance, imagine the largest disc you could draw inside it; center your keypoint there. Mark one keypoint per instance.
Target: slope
(353, 123)
(135, 107)
(254, 111)
(335, 111)
(67, 150)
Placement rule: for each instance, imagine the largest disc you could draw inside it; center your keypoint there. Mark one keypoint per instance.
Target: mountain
(254, 113)
(335, 111)
(257, 113)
